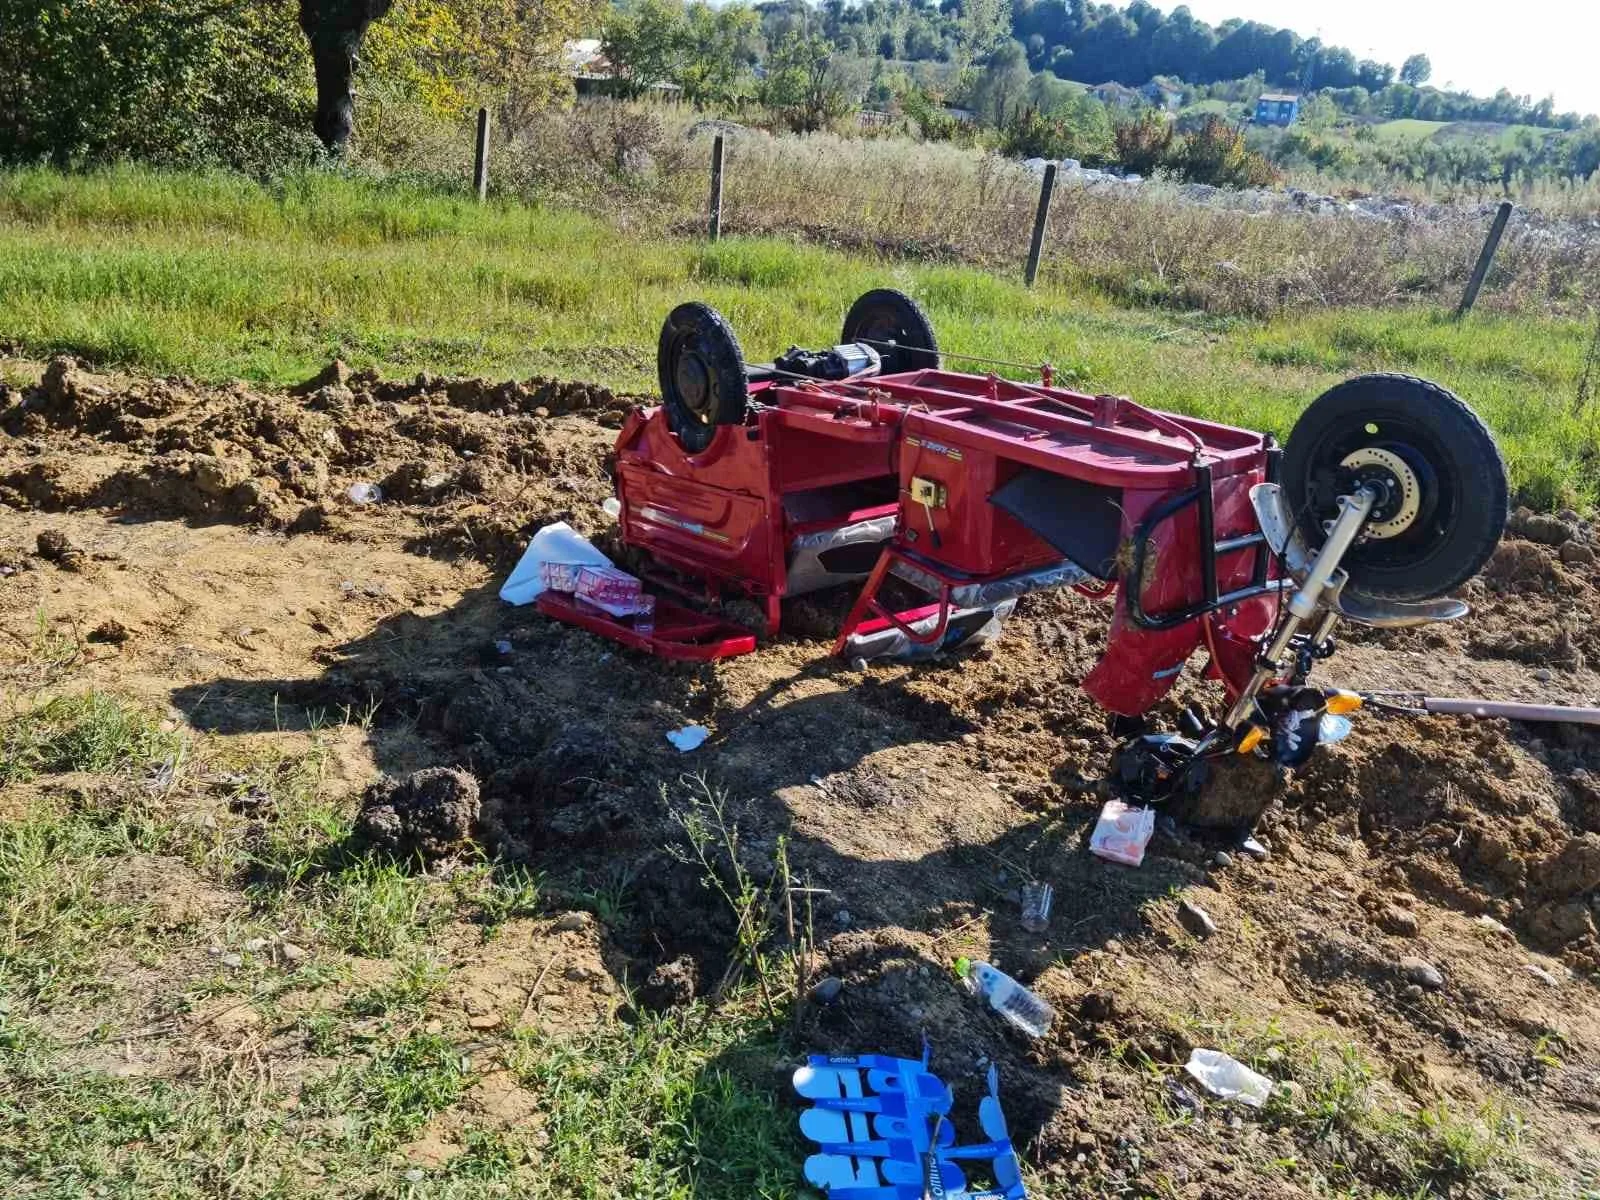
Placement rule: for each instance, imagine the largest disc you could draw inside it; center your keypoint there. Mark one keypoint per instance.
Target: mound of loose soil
(431, 814)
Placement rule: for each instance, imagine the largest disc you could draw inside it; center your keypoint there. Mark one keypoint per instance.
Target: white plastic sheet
(1229, 1078)
(554, 543)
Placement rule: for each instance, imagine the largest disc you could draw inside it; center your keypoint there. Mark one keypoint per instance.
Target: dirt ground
(201, 546)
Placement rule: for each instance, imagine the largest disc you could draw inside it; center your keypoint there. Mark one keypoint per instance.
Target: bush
(1216, 154)
(175, 82)
(1145, 143)
(1080, 133)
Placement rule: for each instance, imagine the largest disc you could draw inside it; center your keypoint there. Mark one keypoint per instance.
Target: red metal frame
(679, 633)
(814, 457)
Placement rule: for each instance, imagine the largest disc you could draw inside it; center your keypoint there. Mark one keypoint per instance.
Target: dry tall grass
(648, 167)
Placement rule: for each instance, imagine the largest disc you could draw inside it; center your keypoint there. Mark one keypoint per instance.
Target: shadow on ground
(565, 733)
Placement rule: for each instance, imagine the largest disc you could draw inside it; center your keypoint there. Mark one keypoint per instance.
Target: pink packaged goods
(1122, 833)
(608, 588)
(559, 576)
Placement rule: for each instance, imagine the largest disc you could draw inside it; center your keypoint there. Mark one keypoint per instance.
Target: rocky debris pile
(430, 814)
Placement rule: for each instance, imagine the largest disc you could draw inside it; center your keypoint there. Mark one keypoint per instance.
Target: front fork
(1323, 575)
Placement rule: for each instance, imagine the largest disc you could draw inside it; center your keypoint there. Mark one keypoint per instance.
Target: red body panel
(1140, 666)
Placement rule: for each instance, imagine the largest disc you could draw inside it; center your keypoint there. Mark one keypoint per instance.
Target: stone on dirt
(1196, 919)
(1421, 972)
(827, 991)
(430, 813)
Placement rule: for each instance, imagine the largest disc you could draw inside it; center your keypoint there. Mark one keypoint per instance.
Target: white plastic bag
(1229, 1078)
(554, 543)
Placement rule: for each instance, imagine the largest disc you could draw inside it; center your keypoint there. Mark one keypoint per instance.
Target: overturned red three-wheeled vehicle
(870, 464)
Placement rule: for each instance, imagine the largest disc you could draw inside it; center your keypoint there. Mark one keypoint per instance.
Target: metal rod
(1511, 711)
(993, 362)
(1485, 259)
(1040, 220)
(480, 161)
(714, 224)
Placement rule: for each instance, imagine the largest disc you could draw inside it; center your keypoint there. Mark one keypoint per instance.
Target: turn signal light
(1343, 702)
(1251, 738)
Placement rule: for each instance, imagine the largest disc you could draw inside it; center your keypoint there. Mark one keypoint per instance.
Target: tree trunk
(335, 29)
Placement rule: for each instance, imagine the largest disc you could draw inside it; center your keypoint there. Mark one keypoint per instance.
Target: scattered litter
(1027, 1011)
(1541, 974)
(1037, 897)
(365, 493)
(1225, 1076)
(558, 543)
(1122, 833)
(1486, 922)
(690, 737)
(612, 507)
(882, 1130)
(503, 646)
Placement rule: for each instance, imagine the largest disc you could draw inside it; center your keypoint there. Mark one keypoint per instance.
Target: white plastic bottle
(1007, 997)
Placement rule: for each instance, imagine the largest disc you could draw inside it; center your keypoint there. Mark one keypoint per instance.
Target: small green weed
(92, 731)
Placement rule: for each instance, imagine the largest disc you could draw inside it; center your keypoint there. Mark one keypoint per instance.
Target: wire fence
(1156, 243)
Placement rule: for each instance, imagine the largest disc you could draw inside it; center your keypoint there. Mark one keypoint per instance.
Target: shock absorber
(1354, 509)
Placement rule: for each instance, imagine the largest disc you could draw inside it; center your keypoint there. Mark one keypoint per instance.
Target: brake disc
(1405, 490)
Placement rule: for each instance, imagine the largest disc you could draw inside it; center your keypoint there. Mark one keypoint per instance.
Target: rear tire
(701, 370)
(884, 316)
(1456, 489)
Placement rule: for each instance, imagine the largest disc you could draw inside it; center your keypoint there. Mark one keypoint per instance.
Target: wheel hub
(694, 383)
(1401, 499)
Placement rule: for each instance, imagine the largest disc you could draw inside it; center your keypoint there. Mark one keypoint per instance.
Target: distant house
(1114, 95)
(1277, 108)
(592, 74)
(1161, 94)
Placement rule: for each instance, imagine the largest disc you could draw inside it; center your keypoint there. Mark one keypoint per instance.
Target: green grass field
(1407, 130)
(217, 277)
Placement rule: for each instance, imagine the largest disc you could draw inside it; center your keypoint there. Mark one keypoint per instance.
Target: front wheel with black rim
(894, 325)
(1432, 463)
(701, 370)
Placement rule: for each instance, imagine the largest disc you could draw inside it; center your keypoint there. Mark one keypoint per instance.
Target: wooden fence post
(714, 225)
(1485, 259)
(1040, 220)
(480, 162)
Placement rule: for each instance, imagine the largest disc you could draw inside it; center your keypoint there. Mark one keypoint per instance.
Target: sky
(1534, 47)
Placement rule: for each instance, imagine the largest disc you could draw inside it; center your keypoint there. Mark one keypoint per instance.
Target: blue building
(1277, 108)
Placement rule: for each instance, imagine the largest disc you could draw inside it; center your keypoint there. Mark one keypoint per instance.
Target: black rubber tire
(1463, 479)
(701, 370)
(885, 315)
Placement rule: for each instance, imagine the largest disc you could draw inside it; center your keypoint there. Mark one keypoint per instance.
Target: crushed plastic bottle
(612, 507)
(365, 493)
(1007, 997)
